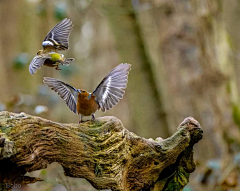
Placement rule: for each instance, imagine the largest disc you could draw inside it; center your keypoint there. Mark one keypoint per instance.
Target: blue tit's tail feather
(67, 61)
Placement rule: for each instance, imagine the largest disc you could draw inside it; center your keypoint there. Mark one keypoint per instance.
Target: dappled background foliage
(185, 62)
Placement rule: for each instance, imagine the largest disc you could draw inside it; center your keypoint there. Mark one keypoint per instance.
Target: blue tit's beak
(79, 91)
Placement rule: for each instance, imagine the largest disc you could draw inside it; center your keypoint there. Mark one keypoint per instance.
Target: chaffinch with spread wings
(107, 94)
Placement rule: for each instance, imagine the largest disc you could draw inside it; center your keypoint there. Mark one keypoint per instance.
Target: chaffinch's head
(83, 93)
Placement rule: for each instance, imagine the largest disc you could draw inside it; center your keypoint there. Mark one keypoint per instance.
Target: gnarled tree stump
(103, 152)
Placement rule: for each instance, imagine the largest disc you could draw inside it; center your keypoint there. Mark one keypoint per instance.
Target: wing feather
(60, 34)
(36, 63)
(109, 92)
(68, 93)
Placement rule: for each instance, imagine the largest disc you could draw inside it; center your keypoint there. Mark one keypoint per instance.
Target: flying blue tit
(56, 40)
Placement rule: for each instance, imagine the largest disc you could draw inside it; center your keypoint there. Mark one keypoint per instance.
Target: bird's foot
(93, 117)
(57, 68)
(80, 119)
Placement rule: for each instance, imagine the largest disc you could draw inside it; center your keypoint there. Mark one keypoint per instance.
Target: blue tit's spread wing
(110, 90)
(36, 63)
(59, 35)
(68, 93)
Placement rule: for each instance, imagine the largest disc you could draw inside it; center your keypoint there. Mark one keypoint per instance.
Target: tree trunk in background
(197, 83)
(231, 47)
(144, 98)
(7, 45)
(22, 37)
(197, 41)
(219, 79)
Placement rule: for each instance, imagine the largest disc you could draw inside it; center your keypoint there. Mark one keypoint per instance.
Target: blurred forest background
(185, 58)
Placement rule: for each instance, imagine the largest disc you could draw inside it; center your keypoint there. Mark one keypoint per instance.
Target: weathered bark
(103, 152)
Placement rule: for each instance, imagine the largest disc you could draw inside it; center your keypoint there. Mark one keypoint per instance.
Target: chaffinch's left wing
(59, 35)
(68, 93)
(36, 63)
(111, 89)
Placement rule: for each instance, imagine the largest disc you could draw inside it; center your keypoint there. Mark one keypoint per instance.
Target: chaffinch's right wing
(110, 90)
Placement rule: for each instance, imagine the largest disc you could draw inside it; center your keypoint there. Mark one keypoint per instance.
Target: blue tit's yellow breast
(55, 56)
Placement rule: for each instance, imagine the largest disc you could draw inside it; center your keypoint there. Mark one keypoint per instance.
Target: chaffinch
(107, 94)
(56, 39)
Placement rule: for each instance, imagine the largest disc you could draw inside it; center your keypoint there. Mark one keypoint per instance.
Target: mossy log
(103, 152)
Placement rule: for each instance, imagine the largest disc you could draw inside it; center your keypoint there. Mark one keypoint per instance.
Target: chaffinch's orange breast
(86, 106)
